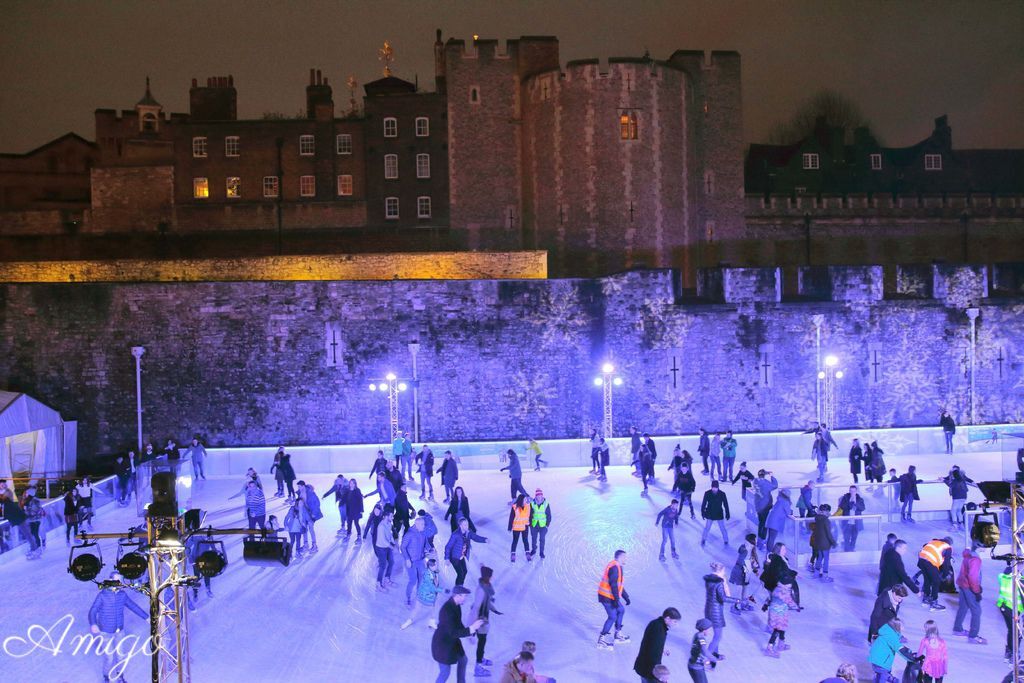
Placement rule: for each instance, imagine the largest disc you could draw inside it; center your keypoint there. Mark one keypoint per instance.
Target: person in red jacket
(968, 583)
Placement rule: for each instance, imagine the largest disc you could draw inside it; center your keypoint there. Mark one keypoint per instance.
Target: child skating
(778, 615)
(426, 596)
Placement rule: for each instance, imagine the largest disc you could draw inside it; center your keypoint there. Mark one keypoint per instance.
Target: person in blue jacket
(884, 649)
(106, 618)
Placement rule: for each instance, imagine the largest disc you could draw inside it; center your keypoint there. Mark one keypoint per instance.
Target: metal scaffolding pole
(1017, 557)
(168, 583)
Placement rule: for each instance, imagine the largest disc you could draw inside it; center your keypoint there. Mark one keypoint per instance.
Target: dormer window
(810, 161)
(149, 122)
(876, 162)
(933, 162)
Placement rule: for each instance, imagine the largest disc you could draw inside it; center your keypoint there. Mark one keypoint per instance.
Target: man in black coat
(887, 608)
(652, 647)
(714, 508)
(704, 448)
(446, 644)
(893, 572)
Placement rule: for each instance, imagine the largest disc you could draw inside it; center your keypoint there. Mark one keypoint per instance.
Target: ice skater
(603, 459)
(747, 567)
(458, 509)
(515, 474)
(425, 466)
(106, 619)
(668, 519)
(519, 524)
(595, 449)
(540, 522)
(353, 510)
(413, 550)
(534, 447)
(283, 473)
(716, 594)
(611, 594)
(446, 645)
(482, 609)
(652, 645)
(456, 552)
(311, 503)
(449, 475)
(714, 508)
(715, 456)
(704, 449)
(383, 548)
(646, 461)
(728, 455)
(295, 523)
(340, 490)
(701, 660)
(685, 484)
(778, 615)
(426, 595)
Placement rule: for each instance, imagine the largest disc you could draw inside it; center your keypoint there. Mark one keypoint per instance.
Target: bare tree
(836, 108)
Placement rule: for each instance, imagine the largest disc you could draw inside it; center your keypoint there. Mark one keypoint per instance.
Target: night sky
(903, 62)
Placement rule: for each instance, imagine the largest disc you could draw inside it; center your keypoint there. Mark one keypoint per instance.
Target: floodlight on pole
(607, 380)
(392, 385)
(829, 378)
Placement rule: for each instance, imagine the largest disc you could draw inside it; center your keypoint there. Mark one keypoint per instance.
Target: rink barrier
(759, 447)
(11, 539)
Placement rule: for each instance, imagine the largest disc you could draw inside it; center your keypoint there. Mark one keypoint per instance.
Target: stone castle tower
(607, 166)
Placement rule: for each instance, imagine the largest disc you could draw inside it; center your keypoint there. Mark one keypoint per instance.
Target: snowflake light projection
(559, 319)
(530, 395)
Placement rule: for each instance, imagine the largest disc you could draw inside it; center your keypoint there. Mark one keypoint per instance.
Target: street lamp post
(829, 378)
(392, 385)
(818, 321)
(606, 381)
(414, 349)
(137, 351)
(972, 313)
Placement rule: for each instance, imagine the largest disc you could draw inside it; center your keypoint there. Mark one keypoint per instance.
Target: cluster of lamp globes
(607, 370)
(831, 362)
(383, 386)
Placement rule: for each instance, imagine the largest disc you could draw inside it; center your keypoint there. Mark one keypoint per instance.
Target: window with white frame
(422, 165)
(233, 188)
(199, 147)
(876, 162)
(933, 162)
(391, 166)
(231, 146)
(200, 188)
(422, 126)
(423, 207)
(271, 186)
(307, 186)
(343, 143)
(810, 161)
(390, 127)
(391, 208)
(307, 145)
(344, 186)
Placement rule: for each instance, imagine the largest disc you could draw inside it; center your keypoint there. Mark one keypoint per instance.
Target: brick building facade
(635, 162)
(823, 201)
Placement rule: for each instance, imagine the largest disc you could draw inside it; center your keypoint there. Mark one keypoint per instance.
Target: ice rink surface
(321, 619)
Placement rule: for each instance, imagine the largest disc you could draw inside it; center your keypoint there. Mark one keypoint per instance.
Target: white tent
(34, 441)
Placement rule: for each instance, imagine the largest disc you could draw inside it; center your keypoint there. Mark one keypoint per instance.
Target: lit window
(231, 146)
(422, 165)
(876, 162)
(391, 207)
(200, 188)
(628, 128)
(270, 186)
(474, 95)
(343, 144)
(198, 147)
(345, 185)
(307, 145)
(810, 161)
(307, 186)
(234, 188)
(423, 207)
(391, 127)
(390, 166)
(422, 126)
(933, 162)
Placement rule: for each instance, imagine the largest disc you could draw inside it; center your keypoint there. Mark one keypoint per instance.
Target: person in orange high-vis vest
(611, 593)
(934, 559)
(519, 525)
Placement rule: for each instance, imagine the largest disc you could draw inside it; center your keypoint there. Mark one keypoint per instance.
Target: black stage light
(132, 565)
(85, 566)
(210, 563)
(192, 519)
(165, 499)
(985, 530)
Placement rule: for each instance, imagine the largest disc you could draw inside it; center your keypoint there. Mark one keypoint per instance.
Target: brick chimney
(216, 101)
(319, 101)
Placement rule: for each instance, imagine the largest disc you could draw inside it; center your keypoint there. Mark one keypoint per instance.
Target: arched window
(149, 123)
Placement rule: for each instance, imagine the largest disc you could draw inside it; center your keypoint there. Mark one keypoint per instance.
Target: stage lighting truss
(1016, 560)
(83, 563)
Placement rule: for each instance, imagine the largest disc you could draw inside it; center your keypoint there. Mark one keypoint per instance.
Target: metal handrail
(797, 521)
